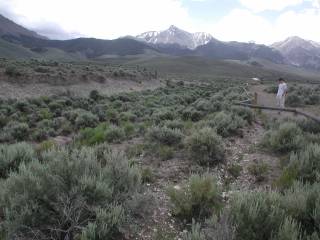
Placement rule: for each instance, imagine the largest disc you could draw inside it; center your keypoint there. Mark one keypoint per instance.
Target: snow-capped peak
(295, 42)
(175, 35)
(173, 28)
(300, 52)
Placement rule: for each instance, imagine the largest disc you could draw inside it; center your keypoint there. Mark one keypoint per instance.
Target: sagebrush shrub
(42, 132)
(3, 120)
(226, 124)
(289, 230)
(164, 135)
(46, 146)
(235, 170)
(256, 215)
(301, 203)
(309, 126)
(220, 227)
(56, 106)
(195, 234)
(287, 178)
(86, 119)
(12, 71)
(259, 171)
(16, 131)
(113, 116)
(200, 198)
(174, 124)
(115, 134)
(217, 227)
(128, 116)
(203, 105)
(307, 163)
(92, 136)
(163, 114)
(62, 126)
(206, 147)
(165, 152)
(11, 156)
(95, 95)
(76, 195)
(285, 138)
(22, 106)
(129, 129)
(136, 150)
(192, 114)
(313, 99)
(45, 113)
(271, 215)
(244, 113)
(147, 175)
(293, 100)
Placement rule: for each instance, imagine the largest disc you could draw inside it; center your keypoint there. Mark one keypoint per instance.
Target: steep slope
(261, 51)
(220, 50)
(8, 27)
(300, 52)
(174, 35)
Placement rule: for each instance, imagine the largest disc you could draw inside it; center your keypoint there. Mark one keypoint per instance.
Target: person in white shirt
(282, 92)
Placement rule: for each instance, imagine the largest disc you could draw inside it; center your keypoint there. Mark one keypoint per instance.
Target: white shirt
(282, 89)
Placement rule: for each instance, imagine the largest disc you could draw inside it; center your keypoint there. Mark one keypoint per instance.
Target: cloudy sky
(262, 21)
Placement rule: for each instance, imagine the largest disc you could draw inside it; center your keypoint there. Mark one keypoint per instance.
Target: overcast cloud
(263, 21)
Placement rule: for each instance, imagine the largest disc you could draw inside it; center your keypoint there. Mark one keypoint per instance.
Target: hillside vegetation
(152, 164)
(202, 69)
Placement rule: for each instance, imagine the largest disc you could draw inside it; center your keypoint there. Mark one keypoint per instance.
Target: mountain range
(23, 43)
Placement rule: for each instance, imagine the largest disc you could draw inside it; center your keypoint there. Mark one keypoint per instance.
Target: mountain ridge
(8, 27)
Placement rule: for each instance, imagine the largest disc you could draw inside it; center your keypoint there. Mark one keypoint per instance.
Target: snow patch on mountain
(174, 35)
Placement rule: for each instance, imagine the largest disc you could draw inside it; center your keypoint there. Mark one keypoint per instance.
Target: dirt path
(267, 99)
(243, 151)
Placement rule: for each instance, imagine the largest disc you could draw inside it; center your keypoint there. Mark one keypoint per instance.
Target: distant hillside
(238, 51)
(89, 47)
(8, 27)
(300, 52)
(261, 51)
(202, 69)
(10, 50)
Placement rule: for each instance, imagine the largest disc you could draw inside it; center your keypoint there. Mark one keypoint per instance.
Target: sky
(260, 21)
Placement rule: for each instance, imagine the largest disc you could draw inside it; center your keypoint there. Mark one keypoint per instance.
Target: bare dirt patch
(110, 86)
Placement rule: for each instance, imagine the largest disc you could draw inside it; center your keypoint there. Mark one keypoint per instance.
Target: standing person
(282, 92)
